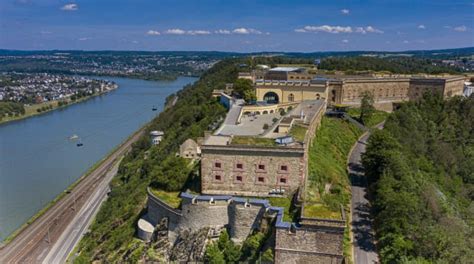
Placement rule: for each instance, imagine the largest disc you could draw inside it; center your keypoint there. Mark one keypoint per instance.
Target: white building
(156, 136)
(468, 88)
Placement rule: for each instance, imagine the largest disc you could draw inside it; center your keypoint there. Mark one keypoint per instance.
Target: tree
(244, 88)
(213, 255)
(230, 250)
(366, 107)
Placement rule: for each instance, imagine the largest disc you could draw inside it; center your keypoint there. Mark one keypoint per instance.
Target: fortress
(310, 241)
(348, 90)
(261, 150)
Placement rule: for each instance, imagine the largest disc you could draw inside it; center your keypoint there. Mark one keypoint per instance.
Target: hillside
(111, 237)
(421, 173)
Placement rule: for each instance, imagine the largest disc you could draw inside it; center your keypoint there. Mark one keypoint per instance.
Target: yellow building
(349, 90)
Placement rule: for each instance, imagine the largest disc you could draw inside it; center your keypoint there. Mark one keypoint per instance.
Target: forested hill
(421, 173)
(403, 65)
(111, 237)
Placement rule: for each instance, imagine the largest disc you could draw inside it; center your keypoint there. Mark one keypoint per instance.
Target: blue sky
(236, 25)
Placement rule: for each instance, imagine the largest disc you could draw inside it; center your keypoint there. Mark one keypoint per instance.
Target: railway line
(34, 242)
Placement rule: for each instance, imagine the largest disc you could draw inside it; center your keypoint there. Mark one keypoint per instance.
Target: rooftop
(219, 140)
(286, 69)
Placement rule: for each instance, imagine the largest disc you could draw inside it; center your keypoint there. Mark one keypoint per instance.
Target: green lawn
(170, 198)
(298, 132)
(327, 165)
(255, 141)
(377, 117)
(285, 202)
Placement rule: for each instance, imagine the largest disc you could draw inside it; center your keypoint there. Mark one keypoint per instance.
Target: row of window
(240, 167)
(258, 180)
(291, 97)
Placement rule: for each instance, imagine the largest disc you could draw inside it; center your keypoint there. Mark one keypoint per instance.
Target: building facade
(350, 90)
(251, 170)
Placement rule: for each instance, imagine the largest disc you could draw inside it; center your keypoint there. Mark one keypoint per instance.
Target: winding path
(363, 234)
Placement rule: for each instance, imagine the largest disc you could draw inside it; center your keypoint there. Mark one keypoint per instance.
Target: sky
(236, 25)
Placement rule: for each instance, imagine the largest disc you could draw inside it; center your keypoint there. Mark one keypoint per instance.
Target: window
(217, 165)
(261, 179)
(291, 98)
(239, 166)
(239, 178)
(261, 167)
(284, 168)
(283, 180)
(218, 177)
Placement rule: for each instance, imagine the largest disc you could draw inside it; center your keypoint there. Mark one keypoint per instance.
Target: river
(38, 161)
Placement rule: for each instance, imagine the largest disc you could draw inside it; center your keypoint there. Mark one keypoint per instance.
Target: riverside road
(364, 241)
(34, 243)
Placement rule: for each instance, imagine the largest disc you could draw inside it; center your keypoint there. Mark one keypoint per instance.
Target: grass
(285, 202)
(298, 132)
(255, 141)
(170, 198)
(327, 166)
(319, 210)
(376, 118)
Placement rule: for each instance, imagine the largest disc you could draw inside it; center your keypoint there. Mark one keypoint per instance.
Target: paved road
(364, 247)
(34, 242)
(80, 224)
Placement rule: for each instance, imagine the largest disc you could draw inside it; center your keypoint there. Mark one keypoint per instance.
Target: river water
(38, 161)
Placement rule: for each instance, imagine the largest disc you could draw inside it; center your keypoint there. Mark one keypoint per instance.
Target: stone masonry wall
(202, 214)
(309, 245)
(282, 169)
(243, 219)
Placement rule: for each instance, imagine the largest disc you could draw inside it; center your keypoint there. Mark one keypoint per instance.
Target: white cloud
(368, 29)
(198, 32)
(345, 41)
(338, 29)
(328, 29)
(84, 39)
(421, 27)
(45, 32)
(222, 31)
(135, 42)
(406, 42)
(70, 7)
(246, 31)
(460, 28)
(345, 11)
(175, 31)
(300, 30)
(153, 33)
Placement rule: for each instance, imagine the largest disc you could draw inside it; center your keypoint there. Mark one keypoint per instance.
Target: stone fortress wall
(349, 90)
(240, 215)
(310, 241)
(250, 170)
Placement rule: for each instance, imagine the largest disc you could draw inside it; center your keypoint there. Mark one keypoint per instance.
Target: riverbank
(49, 221)
(35, 110)
(69, 189)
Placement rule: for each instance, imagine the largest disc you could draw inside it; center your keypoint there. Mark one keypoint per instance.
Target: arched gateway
(271, 98)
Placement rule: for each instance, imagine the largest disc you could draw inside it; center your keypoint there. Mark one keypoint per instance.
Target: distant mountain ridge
(438, 53)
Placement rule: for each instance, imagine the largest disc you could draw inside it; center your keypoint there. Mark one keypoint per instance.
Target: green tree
(366, 106)
(244, 88)
(213, 255)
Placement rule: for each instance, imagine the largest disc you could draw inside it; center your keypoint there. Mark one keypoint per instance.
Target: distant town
(36, 88)
(151, 67)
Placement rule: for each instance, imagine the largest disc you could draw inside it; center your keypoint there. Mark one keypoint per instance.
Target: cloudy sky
(236, 25)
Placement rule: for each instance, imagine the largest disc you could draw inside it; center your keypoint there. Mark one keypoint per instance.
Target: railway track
(33, 243)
